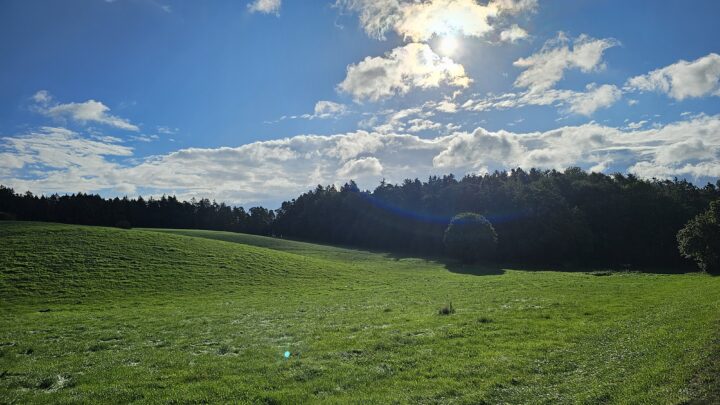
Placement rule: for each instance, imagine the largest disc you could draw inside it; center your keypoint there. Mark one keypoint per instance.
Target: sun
(449, 45)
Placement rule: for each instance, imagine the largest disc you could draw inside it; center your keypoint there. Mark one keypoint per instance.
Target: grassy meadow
(101, 315)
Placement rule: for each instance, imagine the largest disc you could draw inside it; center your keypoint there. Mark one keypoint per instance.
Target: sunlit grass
(104, 315)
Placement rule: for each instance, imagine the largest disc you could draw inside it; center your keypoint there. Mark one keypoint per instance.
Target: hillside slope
(54, 261)
(105, 315)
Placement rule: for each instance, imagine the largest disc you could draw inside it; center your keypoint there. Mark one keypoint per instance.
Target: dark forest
(542, 217)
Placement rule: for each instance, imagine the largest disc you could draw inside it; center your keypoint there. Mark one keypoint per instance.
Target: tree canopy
(699, 239)
(470, 237)
(540, 216)
(164, 212)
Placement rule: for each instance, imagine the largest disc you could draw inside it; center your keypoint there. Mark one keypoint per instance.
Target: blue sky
(256, 101)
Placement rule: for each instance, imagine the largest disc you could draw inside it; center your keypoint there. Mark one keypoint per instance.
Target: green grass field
(100, 315)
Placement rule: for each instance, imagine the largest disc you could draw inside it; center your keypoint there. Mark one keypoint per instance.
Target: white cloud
(42, 97)
(447, 107)
(56, 159)
(265, 6)
(106, 138)
(699, 170)
(545, 68)
(398, 121)
(480, 150)
(88, 111)
(376, 16)
(400, 70)
(513, 34)
(594, 98)
(636, 125)
(516, 6)
(420, 125)
(144, 138)
(691, 149)
(572, 102)
(683, 79)
(421, 20)
(60, 148)
(323, 110)
(361, 168)
(63, 160)
(165, 130)
(586, 146)
(329, 109)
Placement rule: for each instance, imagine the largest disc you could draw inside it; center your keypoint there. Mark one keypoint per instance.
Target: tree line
(540, 216)
(164, 212)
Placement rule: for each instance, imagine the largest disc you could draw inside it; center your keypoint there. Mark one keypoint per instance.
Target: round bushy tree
(470, 237)
(699, 239)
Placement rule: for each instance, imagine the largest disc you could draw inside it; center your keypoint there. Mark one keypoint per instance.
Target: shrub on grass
(6, 216)
(699, 239)
(470, 237)
(447, 309)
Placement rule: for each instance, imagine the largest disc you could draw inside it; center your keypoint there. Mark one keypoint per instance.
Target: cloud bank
(59, 160)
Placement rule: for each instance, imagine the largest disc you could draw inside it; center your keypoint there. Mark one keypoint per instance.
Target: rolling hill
(106, 315)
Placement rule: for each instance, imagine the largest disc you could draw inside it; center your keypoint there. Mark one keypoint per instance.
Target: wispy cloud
(88, 111)
(513, 34)
(546, 68)
(323, 110)
(166, 130)
(542, 70)
(265, 6)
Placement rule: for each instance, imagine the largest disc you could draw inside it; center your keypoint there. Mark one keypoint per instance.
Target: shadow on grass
(483, 269)
(498, 268)
(494, 269)
(592, 270)
(453, 266)
(474, 269)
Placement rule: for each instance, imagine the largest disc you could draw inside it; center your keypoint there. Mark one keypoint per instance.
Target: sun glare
(449, 45)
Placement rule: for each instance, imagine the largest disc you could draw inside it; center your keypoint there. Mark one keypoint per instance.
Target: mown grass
(112, 316)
